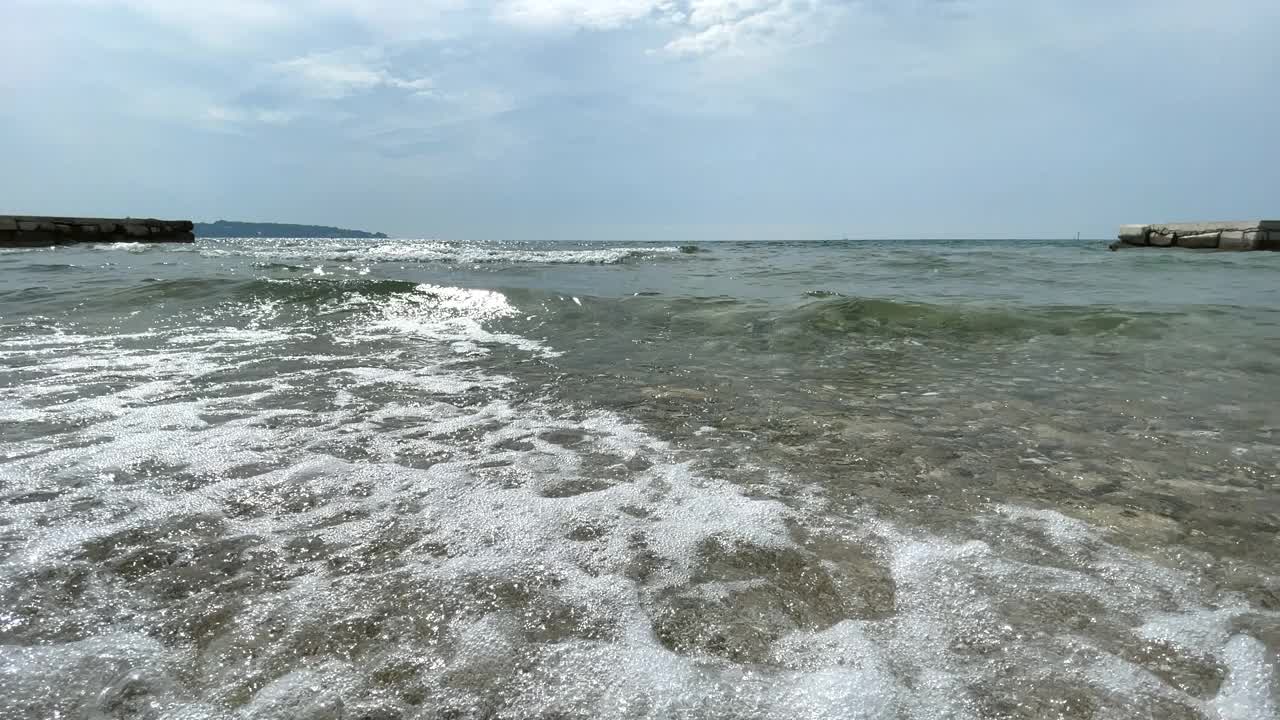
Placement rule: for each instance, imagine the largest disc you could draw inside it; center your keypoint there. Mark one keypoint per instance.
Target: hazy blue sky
(645, 119)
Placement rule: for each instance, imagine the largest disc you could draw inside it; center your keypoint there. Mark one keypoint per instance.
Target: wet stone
(133, 697)
(587, 532)
(514, 445)
(1197, 676)
(308, 548)
(549, 620)
(58, 604)
(1058, 609)
(338, 518)
(575, 486)
(717, 627)
(642, 565)
(750, 596)
(564, 438)
(638, 463)
(145, 561)
(200, 619)
(34, 497)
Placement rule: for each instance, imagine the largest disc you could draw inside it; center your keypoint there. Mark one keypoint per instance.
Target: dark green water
(412, 479)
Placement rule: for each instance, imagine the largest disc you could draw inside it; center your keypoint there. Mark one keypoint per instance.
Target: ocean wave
(133, 247)
(52, 267)
(844, 315)
(827, 318)
(452, 315)
(309, 289)
(432, 251)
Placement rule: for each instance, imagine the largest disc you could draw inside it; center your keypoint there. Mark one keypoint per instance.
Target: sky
(645, 119)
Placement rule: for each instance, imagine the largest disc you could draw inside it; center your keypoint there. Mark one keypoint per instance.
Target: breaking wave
(434, 251)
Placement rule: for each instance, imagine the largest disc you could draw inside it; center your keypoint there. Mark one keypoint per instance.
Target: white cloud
(707, 13)
(595, 14)
(701, 27)
(256, 61)
(742, 25)
(333, 76)
(223, 117)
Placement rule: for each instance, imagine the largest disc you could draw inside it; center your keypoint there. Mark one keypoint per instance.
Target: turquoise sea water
(417, 479)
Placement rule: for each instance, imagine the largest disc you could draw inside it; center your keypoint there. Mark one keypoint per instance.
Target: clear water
(414, 479)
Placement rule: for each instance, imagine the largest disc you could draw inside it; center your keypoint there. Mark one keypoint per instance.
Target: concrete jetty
(1241, 235)
(40, 231)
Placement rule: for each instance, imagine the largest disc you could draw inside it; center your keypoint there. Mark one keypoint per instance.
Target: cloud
(740, 25)
(693, 27)
(225, 117)
(708, 13)
(593, 14)
(337, 75)
(700, 27)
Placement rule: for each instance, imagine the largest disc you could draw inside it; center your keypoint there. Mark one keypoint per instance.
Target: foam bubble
(1250, 687)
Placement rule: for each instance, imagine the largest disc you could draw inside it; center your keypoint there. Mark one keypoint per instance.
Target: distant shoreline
(238, 229)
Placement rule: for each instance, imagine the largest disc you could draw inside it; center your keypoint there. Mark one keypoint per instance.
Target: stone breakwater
(1244, 235)
(30, 231)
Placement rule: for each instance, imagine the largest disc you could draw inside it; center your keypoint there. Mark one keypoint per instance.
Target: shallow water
(417, 479)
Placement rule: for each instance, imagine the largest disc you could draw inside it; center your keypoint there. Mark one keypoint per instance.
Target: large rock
(1200, 241)
(1224, 235)
(1238, 240)
(1133, 234)
(137, 230)
(1210, 227)
(8, 224)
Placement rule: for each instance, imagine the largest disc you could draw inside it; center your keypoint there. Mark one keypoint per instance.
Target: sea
(385, 479)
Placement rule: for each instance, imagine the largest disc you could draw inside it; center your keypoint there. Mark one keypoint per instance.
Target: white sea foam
(430, 251)
(124, 246)
(449, 315)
